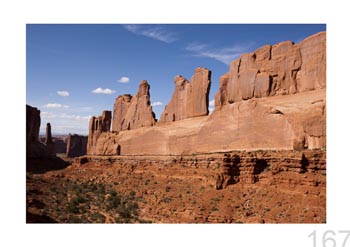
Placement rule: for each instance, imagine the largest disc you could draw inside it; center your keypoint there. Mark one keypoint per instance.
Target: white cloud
(225, 55)
(212, 103)
(157, 103)
(45, 114)
(63, 93)
(84, 108)
(73, 117)
(103, 91)
(211, 109)
(154, 32)
(63, 123)
(49, 115)
(124, 79)
(55, 105)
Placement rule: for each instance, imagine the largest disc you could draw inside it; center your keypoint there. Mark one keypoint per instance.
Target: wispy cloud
(155, 32)
(157, 103)
(84, 108)
(212, 103)
(63, 93)
(225, 55)
(55, 105)
(124, 79)
(49, 115)
(103, 91)
(63, 123)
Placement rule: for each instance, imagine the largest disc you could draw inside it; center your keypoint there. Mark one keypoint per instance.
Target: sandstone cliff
(34, 148)
(284, 68)
(76, 145)
(97, 126)
(271, 99)
(133, 112)
(190, 99)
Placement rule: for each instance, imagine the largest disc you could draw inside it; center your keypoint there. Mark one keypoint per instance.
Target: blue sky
(76, 71)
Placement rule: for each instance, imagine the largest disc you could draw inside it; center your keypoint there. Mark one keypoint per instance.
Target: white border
(15, 14)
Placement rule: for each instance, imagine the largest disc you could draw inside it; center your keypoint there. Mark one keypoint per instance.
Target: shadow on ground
(34, 218)
(42, 165)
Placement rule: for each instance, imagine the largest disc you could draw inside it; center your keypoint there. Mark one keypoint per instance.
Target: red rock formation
(313, 69)
(76, 145)
(190, 99)
(120, 109)
(36, 149)
(97, 126)
(284, 68)
(133, 112)
(246, 116)
(48, 141)
(33, 124)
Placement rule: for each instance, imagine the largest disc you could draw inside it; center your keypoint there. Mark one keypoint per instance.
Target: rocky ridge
(284, 68)
(272, 98)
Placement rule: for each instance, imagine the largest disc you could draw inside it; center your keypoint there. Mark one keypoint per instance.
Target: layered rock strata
(283, 168)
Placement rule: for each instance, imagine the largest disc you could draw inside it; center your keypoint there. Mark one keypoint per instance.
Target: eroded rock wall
(190, 98)
(284, 68)
(97, 126)
(285, 122)
(246, 116)
(131, 112)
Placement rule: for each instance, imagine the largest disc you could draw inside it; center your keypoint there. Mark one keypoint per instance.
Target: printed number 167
(329, 238)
